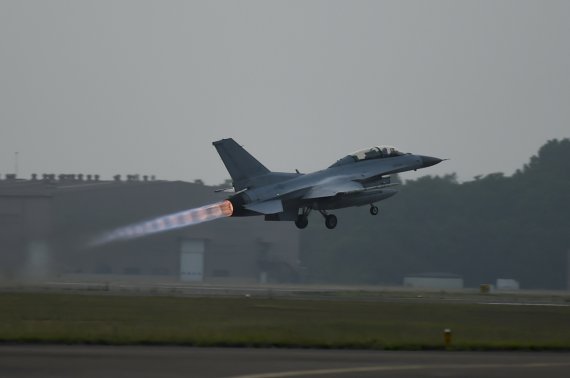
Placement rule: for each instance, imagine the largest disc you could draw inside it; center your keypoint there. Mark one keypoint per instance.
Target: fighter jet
(359, 179)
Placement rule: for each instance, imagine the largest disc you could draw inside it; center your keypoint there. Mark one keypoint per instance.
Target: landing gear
(302, 221)
(330, 221)
(373, 209)
(303, 218)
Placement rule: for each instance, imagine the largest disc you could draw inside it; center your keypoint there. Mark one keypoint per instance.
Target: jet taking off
(359, 179)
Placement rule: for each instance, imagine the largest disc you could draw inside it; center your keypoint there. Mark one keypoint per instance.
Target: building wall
(67, 217)
(25, 232)
(434, 283)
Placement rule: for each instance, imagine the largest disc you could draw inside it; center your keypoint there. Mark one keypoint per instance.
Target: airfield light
(167, 222)
(447, 337)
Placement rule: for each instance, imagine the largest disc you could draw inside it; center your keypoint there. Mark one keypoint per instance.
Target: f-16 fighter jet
(359, 179)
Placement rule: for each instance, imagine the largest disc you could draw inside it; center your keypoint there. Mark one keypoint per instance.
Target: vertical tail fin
(241, 166)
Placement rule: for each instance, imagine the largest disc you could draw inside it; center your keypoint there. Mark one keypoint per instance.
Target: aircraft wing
(331, 188)
(345, 187)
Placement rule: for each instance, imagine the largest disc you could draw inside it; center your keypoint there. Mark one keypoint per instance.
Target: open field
(109, 319)
(140, 285)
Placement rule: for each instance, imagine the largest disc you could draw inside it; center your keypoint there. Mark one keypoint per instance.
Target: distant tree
(492, 227)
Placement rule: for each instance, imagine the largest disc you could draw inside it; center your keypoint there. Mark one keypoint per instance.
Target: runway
(48, 361)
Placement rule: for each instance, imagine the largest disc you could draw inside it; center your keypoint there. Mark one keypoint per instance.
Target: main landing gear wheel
(330, 221)
(302, 222)
(373, 210)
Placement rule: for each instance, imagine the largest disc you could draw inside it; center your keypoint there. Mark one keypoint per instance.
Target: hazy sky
(144, 87)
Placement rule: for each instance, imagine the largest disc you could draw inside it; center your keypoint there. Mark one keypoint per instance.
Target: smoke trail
(166, 223)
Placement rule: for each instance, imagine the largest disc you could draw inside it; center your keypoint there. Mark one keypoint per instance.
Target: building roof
(55, 185)
(26, 188)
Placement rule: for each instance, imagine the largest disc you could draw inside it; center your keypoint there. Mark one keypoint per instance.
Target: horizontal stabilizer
(267, 207)
(229, 190)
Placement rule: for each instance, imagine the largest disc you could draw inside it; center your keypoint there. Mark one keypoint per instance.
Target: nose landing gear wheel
(373, 210)
(330, 221)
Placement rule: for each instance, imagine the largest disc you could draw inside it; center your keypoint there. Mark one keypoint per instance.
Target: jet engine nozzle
(237, 203)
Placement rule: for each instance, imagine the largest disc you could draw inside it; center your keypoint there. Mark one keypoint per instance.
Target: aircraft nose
(428, 161)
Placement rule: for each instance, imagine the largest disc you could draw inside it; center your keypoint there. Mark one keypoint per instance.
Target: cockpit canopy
(378, 152)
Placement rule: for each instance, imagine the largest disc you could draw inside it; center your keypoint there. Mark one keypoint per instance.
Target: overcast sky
(144, 87)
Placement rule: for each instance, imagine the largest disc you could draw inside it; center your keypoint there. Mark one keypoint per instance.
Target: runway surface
(48, 361)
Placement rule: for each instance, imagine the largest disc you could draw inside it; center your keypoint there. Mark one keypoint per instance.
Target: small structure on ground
(443, 281)
(507, 284)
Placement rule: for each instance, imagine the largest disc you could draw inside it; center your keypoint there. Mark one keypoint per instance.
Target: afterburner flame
(227, 208)
(167, 222)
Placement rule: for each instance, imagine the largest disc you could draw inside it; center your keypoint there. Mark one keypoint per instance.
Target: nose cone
(428, 161)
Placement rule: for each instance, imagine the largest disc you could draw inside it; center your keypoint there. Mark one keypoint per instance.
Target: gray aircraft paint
(280, 196)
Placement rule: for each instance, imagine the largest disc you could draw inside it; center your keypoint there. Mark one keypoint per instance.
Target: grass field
(107, 319)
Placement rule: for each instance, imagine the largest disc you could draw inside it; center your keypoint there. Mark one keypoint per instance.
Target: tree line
(491, 227)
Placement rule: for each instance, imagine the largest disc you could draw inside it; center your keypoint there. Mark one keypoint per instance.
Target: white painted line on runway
(371, 369)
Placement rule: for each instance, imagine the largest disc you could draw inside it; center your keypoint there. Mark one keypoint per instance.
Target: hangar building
(46, 222)
(443, 281)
